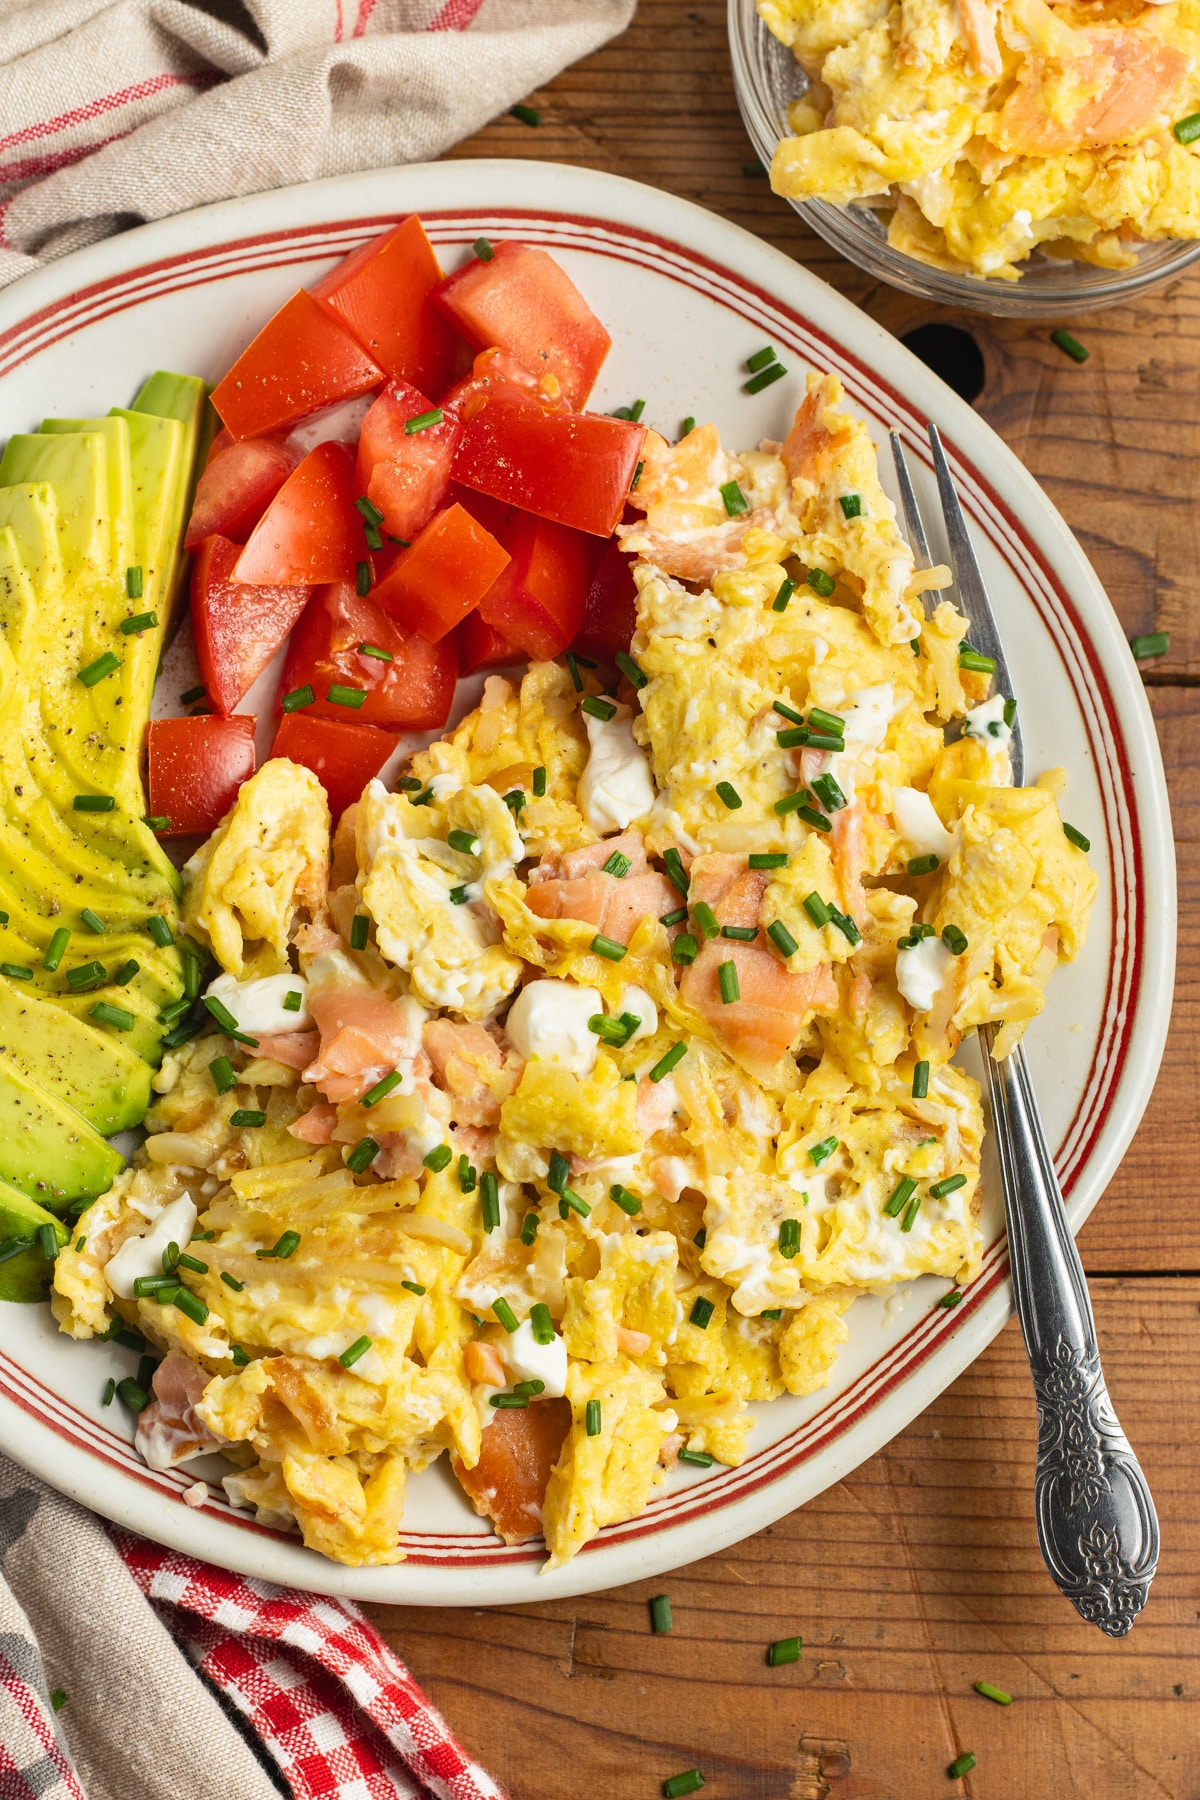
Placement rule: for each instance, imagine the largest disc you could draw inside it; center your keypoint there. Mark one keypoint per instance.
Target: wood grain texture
(920, 1573)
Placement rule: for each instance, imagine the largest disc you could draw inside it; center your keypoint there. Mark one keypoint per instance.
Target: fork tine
(908, 500)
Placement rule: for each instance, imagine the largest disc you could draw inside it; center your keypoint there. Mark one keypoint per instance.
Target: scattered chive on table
(919, 1575)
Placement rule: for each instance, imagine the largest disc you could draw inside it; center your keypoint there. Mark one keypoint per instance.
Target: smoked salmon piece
(518, 1451)
(168, 1431)
(616, 908)
(759, 1027)
(810, 448)
(469, 1066)
(977, 22)
(294, 1049)
(363, 1036)
(1127, 83)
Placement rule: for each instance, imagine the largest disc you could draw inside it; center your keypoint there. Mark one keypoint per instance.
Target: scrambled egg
(988, 129)
(751, 901)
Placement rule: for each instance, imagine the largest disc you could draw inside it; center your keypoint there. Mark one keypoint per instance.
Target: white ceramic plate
(687, 298)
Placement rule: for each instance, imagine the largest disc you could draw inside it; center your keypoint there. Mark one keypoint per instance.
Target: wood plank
(909, 1581)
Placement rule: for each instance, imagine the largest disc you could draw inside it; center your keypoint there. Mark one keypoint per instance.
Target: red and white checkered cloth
(176, 1681)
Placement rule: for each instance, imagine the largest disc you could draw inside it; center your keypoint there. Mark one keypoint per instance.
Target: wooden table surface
(920, 1573)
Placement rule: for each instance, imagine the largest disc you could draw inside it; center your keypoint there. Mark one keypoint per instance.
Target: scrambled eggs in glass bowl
(1015, 158)
(554, 1107)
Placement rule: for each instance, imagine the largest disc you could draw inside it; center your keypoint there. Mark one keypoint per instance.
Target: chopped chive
(618, 864)
(689, 424)
(970, 658)
(559, 1172)
(244, 1119)
(774, 1312)
(793, 803)
(293, 1000)
(824, 1149)
(735, 501)
(760, 359)
(369, 510)
(767, 859)
(592, 1418)
(131, 1395)
(47, 1241)
(700, 1458)
(1010, 712)
(727, 981)
(793, 738)
(438, 1159)
(79, 1244)
(922, 865)
(459, 895)
(1186, 131)
(190, 1305)
(284, 1247)
(85, 975)
(786, 589)
(16, 971)
(569, 1201)
(665, 1064)
(240, 1359)
(529, 1390)
(184, 1261)
(701, 1238)
(685, 949)
(815, 907)
(701, 1313)
(1074, 349)
(483, 249)
(948, 1184)
(1151, 643)
(382, 1088)
(828, 792)
(56, 948)
(660, 1614)
(170, 1258)
(223, 1077)
(846, 926)
(362, 1155)
(407, 784)
(743, 934)
(962, 1765)
(597, 708)
(954, 939)
(529, 1229)
(541, 1323)
(706, 918)
(910, 1213)
(754, 167)
(423, 421)
(357, 1350)
(628, 1203)
(609, 1031)
(821, 720)
(950, 1300)
(817, 820)
(920, 1080)
(784, 1650)
(528, 115)
(110, 1388)
(573, 663)
(104, 665)
(489, 1200)
(676, 874)
(729, 794)
(338, 694)
(914, 645)
(985, 1687)
(821, 583)
(360, 926)
(158, 928)
(467, 1177)
(789, 1237)
(133, 582)
(297, 698)
(182, 1034)
(514, 800)
(116, 1016)
(539, 782)
(902, 1193)
(379, 655)
(465, 842)
(756, 383)
(93, 803)
(602, 946)
(13, 1246)
(851, 505)
(373, 536)
(1076, 837)
(221, 1013)
(138, 623)
(636, 676)
(231, 1281)
(782, 938)
(674, 918)
(192, 694)
(509, 1402)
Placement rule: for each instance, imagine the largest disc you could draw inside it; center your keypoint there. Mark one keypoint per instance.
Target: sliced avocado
(24, 1277)
(31, 512)
(185, 398)
(117, 436)
(76, 467)
(96, 1072)
(47, 1149)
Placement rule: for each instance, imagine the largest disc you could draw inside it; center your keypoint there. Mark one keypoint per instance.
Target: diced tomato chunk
(195, 768)
(574, 468)
(301, 360)
(494, 373)
(525, 302)
(610, 611)
(538, 601)
(412, 692)
(444, 575)
(405, 474)
(311, 532)
(381, 291)
(237, 627)
(483, 647)
(237, 487)
(342, 757)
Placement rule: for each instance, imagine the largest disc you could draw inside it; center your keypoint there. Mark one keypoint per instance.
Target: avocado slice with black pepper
(25, 1269)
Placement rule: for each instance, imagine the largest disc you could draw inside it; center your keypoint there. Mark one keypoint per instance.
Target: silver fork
(1096, 1522)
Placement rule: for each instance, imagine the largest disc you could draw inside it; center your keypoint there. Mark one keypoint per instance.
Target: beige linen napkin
(113, 112)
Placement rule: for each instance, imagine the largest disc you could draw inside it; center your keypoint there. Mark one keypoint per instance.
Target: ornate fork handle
(1096, 1522)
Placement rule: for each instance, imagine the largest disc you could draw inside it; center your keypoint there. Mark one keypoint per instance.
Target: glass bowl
(767, 78)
